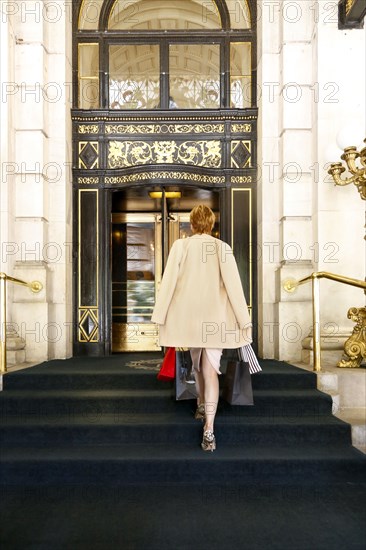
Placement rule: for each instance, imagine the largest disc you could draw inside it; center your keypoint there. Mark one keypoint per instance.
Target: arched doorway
(164, 101)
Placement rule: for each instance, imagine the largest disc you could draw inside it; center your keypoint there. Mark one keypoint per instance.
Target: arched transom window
(158, 54)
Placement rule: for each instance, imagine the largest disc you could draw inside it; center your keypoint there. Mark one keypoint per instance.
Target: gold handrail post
(316, 323)
(3, 323)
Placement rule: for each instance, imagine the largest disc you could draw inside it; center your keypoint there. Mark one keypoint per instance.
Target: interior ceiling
(137, 199)
(192, 59)
(164, 15)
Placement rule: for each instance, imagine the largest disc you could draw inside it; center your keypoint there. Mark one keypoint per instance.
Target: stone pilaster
(42, 183)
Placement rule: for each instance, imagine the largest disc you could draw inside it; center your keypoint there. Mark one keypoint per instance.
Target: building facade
(117, 117)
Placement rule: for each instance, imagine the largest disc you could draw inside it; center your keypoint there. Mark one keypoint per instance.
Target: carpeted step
(119, 377)
(170, 429)
(185, 463)
(206, 516)
(95, 402)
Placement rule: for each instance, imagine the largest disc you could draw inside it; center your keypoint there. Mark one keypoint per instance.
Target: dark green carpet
(96, 454)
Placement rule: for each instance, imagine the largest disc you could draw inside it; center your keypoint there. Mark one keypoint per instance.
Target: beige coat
(201, 301)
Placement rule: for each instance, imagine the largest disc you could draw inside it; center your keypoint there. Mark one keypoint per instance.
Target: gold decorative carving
(88, 155)
(161, 119)
(241, 154)
(164, 128)
(241, 128)
(88, 325)
(241, 179)
(355, 346)
(349, 5)
(186, 176)
(88, 128)
(123, 154)
(88, 181)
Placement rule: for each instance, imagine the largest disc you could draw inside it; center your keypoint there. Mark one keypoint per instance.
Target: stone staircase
(347, 388)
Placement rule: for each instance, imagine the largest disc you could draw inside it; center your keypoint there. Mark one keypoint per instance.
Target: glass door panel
(136, 273)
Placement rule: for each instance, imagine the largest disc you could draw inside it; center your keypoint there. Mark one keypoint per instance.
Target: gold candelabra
(358, 176)
(355, 346)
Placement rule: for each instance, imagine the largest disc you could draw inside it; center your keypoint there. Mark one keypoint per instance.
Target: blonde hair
(202, 219)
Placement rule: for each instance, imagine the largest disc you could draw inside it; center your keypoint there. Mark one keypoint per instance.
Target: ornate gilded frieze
(182, 176)
(83, 117)
(241, 154)
(241, 128)
(88, 128)
(164, 128)
(88, 155)
(122, 154)
(236, 180)
(88, 181)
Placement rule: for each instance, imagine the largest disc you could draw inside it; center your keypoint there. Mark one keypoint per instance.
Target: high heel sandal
(208, 441)
(200, 412)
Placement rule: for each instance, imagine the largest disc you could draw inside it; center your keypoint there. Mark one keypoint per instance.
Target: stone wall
(310, 88)
(36, 184)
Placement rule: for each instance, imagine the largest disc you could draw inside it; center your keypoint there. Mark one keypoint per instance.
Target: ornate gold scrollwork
(355, 346)
(123, 154)
(88, 128)
(185, 176)
(241, 128)
(164, 128)
(240, 179)
(88, 181)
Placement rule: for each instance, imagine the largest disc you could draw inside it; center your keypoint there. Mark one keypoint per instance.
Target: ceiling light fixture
(168, 194)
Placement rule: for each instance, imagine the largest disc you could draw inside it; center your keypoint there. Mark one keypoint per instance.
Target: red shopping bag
(167, 369)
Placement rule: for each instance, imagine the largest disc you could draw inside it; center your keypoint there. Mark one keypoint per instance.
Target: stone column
(293, 313)
(42, 191)
(286, 157)
(268, 173)
(338, 212)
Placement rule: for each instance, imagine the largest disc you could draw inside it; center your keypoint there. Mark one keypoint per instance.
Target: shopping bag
(237, 389)
(246, 354)
(167, 369)
(185, 384)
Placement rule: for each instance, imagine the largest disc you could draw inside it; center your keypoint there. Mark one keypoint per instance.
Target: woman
(201, 306)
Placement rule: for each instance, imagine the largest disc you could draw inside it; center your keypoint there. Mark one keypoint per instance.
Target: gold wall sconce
(358, 174)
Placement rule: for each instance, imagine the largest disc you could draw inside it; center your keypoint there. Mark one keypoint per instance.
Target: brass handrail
(290, 285)
(34, 286)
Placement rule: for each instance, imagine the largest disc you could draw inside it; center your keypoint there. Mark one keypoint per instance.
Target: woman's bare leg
(196, 355)
(210, 392)
(200, 385)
